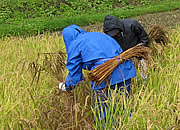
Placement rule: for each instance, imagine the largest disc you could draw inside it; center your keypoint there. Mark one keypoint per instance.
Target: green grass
(54, 23)
(40, 106)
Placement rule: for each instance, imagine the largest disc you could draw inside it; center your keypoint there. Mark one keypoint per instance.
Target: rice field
(30, 100)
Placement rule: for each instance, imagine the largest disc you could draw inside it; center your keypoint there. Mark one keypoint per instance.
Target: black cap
(112, 32)
(112, 25)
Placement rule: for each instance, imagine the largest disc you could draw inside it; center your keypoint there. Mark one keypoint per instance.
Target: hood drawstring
(78, 30)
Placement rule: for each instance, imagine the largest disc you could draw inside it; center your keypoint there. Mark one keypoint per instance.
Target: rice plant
(30, 99)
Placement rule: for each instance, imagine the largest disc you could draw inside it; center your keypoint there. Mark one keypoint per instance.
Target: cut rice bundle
(157, 34)
(101, 72)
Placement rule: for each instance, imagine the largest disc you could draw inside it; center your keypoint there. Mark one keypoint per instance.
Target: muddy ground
(168, 20)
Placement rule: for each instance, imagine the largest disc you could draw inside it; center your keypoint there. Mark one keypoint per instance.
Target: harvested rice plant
(30, 98)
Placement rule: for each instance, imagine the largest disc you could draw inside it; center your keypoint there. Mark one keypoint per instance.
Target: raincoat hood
(70, 33)
(111, 22)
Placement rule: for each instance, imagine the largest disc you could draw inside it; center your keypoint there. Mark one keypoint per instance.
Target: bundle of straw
(157, 34)
(101, 72)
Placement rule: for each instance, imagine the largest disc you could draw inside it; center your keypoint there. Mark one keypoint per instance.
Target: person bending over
(87, 50)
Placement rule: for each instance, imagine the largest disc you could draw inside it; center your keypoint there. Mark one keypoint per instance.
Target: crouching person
(87, 50)
(128, 33)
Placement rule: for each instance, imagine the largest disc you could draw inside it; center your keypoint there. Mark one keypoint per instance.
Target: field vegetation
(25, 104)
(23, 9)
(31, 51)
(28, 17)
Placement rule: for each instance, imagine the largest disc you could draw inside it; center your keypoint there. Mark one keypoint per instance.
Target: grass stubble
(30, 98)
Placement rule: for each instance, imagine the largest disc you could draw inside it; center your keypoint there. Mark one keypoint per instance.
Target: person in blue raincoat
(87, 50)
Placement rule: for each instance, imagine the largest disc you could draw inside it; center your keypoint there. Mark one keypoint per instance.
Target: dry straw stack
(101, 72)
(158, 35)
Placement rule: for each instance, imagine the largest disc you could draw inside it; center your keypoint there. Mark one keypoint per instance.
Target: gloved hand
(62, 87)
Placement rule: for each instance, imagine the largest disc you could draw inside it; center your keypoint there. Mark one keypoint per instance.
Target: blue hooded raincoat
(87, 50)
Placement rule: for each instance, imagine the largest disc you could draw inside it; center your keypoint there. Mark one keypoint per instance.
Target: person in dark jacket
(87, 50)
(128, 33)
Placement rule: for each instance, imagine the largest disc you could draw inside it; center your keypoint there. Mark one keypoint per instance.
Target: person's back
(95, 45)
(87, 50)
(90, 49)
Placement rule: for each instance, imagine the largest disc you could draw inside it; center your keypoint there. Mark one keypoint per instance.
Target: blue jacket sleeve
(74, 66)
